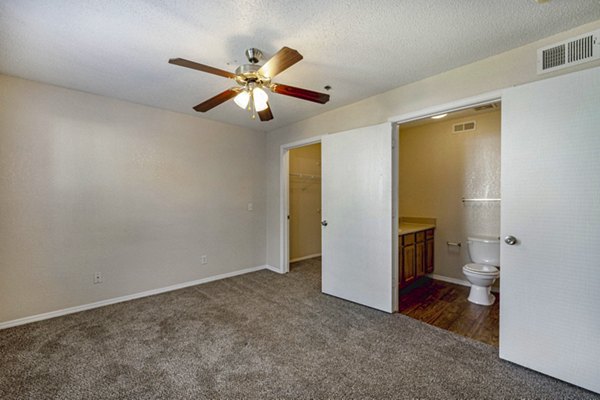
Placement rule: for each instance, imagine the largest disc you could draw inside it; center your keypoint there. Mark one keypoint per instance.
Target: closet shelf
(305, 176)
(465, 200)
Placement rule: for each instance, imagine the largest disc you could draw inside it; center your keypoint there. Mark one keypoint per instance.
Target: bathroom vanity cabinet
(415, 253)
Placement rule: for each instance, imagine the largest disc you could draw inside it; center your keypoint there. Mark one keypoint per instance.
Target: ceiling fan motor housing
(249, 73)
(254, 55)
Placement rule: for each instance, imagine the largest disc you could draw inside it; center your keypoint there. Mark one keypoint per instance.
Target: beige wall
(89, 183)
(504, 70)
(437, 168)
(305, 202)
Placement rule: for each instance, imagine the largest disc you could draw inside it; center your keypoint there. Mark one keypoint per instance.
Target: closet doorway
(358, 199)
(304, 216)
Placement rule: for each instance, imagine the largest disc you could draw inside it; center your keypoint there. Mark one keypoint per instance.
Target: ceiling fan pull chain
(252, 104)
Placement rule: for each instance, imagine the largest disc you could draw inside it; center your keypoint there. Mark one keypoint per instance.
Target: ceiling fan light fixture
(242, 99)
(260, 106)
(439, 116)
(260, 95)
(260, 99)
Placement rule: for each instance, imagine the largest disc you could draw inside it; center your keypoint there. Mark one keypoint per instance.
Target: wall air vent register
(571, 52)
(467, 126)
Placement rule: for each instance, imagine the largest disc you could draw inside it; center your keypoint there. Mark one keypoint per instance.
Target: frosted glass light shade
(260, 106)
(260, 96)
(242, 99)
(260, 99)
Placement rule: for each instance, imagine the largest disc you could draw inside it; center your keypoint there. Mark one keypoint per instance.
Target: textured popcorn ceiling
(361, 48)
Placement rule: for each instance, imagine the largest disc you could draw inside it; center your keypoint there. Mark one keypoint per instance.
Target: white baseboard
(456, 281)
(306, 257)
(274, 269)
(102, 303)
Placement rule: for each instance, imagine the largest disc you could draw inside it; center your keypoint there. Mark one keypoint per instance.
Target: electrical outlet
(98, 278)
(203, 260)
(250, 207)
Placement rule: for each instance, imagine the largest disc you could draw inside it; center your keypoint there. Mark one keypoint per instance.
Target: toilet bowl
(481, 277)
(483, 272)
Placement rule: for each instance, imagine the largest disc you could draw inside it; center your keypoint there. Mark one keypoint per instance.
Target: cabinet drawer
(429, 234)
(420, 236)
(408, 239)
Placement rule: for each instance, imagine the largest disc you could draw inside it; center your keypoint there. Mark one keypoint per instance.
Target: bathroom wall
(437, 168)
(93, 184)
(305, 202)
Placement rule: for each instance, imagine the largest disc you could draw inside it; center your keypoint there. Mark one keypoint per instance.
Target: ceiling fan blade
(281, 61)
(218, 99)
(201, 67)
(299, 93)
(266, 114)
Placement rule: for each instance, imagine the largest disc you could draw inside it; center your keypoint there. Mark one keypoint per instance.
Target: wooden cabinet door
(420, 259)
(429, 256)
(408, 263)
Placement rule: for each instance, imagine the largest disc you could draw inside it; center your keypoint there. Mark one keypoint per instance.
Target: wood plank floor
(445, 305)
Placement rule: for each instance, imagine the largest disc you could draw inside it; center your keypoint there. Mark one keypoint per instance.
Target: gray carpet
(257, 336)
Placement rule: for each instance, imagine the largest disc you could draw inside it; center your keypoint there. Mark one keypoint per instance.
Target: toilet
(483, 272)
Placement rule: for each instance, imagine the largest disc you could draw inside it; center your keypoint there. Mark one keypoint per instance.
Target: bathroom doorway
(449, 194)
(304, 217)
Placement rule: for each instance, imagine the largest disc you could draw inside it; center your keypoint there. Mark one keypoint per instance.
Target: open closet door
(358, 199)
(550, 278)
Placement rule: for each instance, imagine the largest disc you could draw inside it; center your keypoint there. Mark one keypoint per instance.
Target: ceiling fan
(252, 80)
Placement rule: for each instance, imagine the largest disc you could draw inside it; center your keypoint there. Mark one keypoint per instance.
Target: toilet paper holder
(457, 244)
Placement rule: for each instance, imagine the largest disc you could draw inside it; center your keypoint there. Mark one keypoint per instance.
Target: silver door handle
(510, 240)
(324, 222)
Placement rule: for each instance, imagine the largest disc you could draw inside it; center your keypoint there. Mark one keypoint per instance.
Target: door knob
(510, 240)
(324, 222)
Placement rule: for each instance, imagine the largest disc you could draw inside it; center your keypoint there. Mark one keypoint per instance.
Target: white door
(550, 279)
(358, 198)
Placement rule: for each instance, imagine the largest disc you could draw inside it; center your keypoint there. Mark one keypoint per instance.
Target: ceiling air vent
(467, 126)
(491, 106)
(571, 52)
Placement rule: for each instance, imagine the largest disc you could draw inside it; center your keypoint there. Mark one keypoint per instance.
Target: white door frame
(452, 106)
(284, 197)
(457, 105)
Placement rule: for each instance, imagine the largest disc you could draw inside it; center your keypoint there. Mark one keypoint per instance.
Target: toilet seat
(481, 269)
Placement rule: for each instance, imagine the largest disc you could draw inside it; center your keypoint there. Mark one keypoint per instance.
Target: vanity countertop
(411, 227)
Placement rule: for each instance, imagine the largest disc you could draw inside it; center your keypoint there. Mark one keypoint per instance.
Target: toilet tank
(484, 250)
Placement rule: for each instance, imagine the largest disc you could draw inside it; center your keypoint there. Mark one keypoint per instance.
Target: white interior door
(550, 279)
(358, 200)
